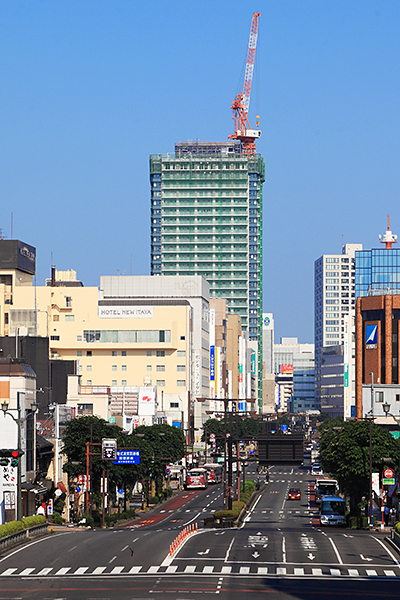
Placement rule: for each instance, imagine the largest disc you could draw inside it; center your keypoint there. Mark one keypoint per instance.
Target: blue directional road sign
(127, 457)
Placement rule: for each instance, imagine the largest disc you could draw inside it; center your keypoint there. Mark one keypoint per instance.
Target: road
(279, 552)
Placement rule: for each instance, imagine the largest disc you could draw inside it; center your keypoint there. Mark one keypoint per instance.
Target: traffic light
(15, 455)
(5, 455)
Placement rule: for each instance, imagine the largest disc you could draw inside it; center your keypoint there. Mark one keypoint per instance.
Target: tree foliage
(158, 445)
(345, 453)
(236, 426)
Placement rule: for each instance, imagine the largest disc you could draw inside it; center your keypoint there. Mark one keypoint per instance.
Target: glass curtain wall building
(206, 219)
(377, 272)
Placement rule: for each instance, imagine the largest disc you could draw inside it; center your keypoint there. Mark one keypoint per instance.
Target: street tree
(345, 454)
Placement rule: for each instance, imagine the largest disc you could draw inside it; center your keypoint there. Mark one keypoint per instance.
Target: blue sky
(89, 89)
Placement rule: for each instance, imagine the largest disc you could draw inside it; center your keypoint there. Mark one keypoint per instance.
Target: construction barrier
(181, 537)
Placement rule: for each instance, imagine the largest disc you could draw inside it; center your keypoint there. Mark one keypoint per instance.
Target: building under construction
(206, 213)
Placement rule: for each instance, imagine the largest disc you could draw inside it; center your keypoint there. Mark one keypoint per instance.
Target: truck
(325, 487)
(331, 511)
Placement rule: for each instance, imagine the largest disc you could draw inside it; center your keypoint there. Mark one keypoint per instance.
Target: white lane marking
(8, 572)
(125, 548)
(63, 571)
(353, 573)
(134, 570)
(317, 572)
(299, 571)
(244, 570)
(45, 571)
(229, 549)
(27, 571)
(390, 573)
(153, 569)
(135, 540)
(99, 570)
(190, 569)
(336, 551)
(112, 560)
(194, 518)
(394, 559)
(81, 570)
(371, 573)
(73, 548)
(117, 570)
(283, 549)
(171, 569)
(251, 511)
(226, 570)
(262, 570)
(336, 572)
(281, 571)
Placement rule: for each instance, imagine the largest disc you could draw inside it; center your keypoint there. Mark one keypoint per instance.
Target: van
(331, 511)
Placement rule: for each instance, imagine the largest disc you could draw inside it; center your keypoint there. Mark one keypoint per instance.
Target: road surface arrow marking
(365, 557)
(255, 554)
(205, 551)
(311, 556)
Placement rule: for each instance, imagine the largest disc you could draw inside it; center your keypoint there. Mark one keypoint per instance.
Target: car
(316, 469)
(294, 494)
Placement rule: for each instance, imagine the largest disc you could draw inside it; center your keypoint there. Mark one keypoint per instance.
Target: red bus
(197, 478)
(214, 471)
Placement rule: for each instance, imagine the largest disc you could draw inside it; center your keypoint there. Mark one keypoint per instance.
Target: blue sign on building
(127, 457)
(212, 363)
(371, 334)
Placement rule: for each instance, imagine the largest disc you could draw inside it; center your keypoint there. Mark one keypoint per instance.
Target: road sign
(109, 448)
(388, 481)
(388, 473)
(127, 457)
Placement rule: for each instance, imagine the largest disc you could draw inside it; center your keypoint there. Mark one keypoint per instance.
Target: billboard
(147, 402)
(288, 369)
(17, 255)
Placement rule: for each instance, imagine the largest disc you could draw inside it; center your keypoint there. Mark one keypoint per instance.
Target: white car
(316, 469)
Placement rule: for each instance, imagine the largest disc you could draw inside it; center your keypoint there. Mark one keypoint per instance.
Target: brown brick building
(377, 346)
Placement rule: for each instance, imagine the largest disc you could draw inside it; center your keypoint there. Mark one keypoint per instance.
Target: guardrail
(20, 536)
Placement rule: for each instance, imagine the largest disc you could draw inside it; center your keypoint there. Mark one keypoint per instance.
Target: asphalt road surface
(279, 552)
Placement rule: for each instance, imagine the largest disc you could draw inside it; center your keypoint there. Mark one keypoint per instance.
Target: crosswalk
(235, 570)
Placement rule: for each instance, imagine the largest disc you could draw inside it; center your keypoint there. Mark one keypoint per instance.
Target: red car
(294, 494)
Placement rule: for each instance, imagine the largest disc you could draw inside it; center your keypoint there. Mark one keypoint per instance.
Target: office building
(268, 343)
(294, 376)
(206, 219)
(377, 328)
(334, 302)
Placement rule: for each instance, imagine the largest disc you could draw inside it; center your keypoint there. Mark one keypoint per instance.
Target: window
(379, 396)
(88, 367)
(182, 338)
(56, 317)
(160, 368)
(79, 352)
(123, 382)
(123, 353)
(78, 338)
(181, 382)
(181, 353)
(68, 301)
(181, 368)
(397, 397)
(114, 353)
(113, 367)
(149, 368)
(88, 353)
(124, 368)
(174, 404)
(70, 317)
(114, 383)
(85, 409)
(160, 382)
(159, 353)
(148, 352)
(55, 338)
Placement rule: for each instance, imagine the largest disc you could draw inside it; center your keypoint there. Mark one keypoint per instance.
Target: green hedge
(397, 527)
(14, 526)
(228, 514)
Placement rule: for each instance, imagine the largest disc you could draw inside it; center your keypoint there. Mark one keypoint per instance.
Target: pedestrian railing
(20, 536)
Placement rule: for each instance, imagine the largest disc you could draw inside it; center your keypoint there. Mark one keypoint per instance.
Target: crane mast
(241, 103)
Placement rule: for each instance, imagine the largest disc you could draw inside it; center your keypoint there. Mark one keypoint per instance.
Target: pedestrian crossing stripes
(273, 571)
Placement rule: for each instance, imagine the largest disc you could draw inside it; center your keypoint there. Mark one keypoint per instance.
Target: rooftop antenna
(389, 238)
(12, 226)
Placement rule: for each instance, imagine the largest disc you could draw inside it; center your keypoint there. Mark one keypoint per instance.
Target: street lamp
(19, 421)
(372, 394)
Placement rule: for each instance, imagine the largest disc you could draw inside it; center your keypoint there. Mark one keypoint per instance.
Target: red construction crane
(241, 103)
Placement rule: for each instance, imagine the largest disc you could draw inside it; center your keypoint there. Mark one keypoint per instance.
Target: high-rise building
(294, 376)
(334, 301)
(377, 279)
(268, 343)
(206, 219)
